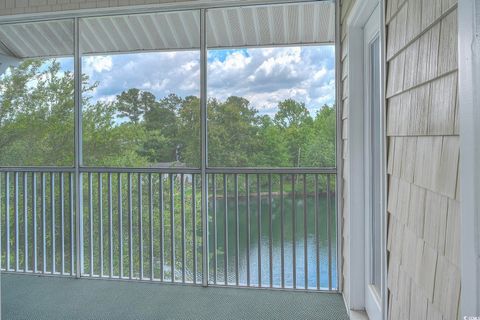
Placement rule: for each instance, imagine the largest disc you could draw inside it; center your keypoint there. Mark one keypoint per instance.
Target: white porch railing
(267, 228)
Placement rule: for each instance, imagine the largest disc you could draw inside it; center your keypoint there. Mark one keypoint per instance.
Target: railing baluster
(34, 216)
(215, 240)
(1, 230)
(130, 227)
(62, 221)
(225, 227)
(329, 236)
(317, 240)
(15, 209)
(294, 257)
(194, 229)
(259, 226)
(270, 229)
(25, 221)
(100, 222)
(237, 232)
(52, 207)
(247, 190)
(44, 237)
(282, 234)
(140, 224)
(120, 226)
(150, 204)
(72, 230)
(110, 224)
(305, 234)
(172, 228)
(7, 220)
(162, 231)
(90, 216)
(182, 205)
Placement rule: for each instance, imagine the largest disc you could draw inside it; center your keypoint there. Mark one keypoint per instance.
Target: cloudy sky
(263, 76)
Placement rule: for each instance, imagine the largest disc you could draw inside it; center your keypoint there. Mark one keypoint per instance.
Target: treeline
(138, 129)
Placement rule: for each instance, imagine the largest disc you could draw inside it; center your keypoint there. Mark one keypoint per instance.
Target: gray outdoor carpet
(36, 297)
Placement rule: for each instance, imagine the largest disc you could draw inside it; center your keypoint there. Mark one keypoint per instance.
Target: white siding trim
(469, 98)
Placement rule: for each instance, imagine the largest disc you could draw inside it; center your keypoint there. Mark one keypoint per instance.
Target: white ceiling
(278, 25)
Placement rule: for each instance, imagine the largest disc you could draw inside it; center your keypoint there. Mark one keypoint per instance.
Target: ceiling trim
(138, 9)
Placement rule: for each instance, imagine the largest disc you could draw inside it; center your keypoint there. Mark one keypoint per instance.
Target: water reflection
(294, 224)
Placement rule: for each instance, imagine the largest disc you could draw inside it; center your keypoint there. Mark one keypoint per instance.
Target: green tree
(232, 132)
(295, 123)
(189, 131)
(36, 115)
(134, 103)
(320, 151)
(273, 149)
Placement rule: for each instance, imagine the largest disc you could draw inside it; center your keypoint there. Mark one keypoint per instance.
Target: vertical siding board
(423, 55)
(435, 221)
(452, 241)
(408, 167)
(404, 293)
(401, 210)
(425, 270)
(411, 65)
(409, 252)
(345, 108)
(401, 29)
(393, 192)
(447, 289)
(405, 110)
(391, 154)
(446, 176)
(431, 10)
(448, 44)
(433, 313)
(392, 115)
(416, 218)
(432, 66)
(414, 18)
(441, 119)
(420, 107)
(395, 77)
(419, 306)
(391, 38)
(447, 4)
(456, 128)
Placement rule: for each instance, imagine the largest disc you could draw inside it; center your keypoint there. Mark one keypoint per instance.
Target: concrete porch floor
(37, 297)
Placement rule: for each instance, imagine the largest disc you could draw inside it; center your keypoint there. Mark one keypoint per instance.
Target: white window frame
(357, 153)
(469, 113)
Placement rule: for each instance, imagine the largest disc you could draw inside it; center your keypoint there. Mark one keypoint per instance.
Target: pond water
(303, 222)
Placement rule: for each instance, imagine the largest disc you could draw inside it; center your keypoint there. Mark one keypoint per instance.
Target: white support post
(204, 154)
(78, 149)
(469, 113)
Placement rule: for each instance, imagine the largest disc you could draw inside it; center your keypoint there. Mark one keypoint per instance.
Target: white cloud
(263, 76)
(99, 63)
(274, 74)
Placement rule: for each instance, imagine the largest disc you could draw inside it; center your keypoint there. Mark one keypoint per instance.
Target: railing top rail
(219, 170)
(139, 170)
(273, 170)
(37, 169)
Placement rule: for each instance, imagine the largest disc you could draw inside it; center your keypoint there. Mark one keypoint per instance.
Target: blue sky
(263, 76)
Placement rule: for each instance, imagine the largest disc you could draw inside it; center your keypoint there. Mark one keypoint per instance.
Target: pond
(303, 222)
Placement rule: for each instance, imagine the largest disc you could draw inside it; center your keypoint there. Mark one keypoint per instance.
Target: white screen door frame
(364, 24)
(374, 168)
